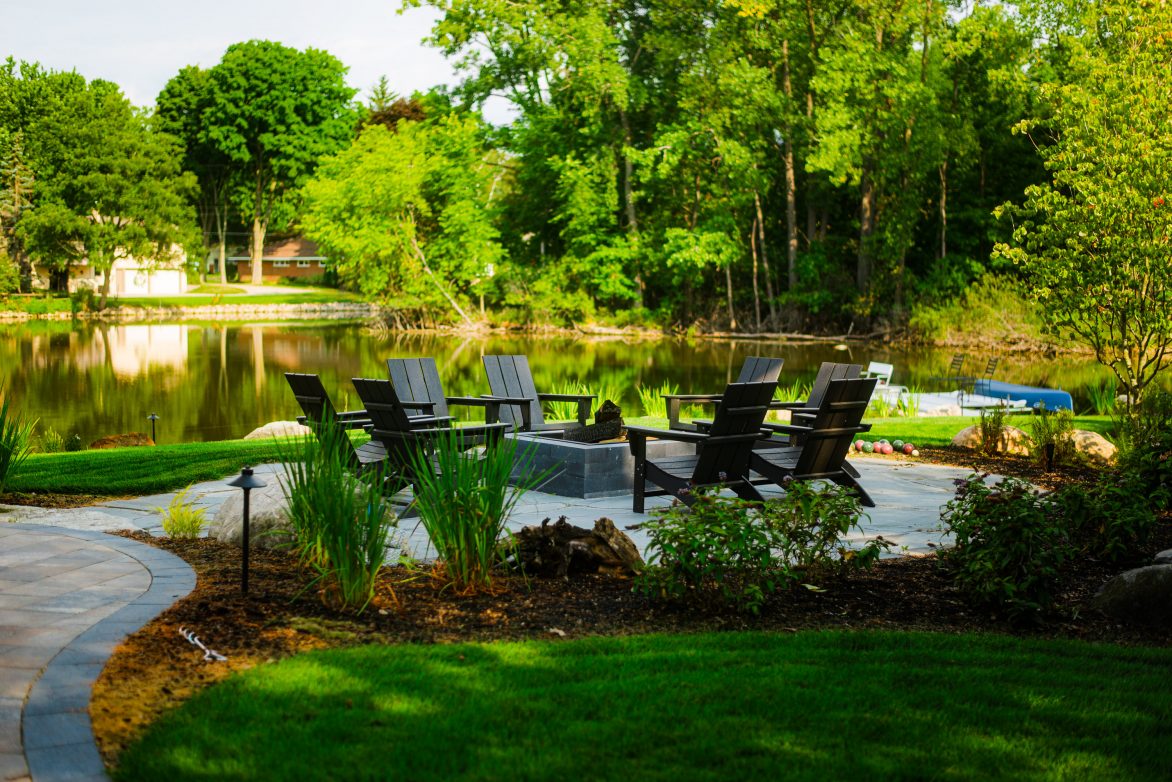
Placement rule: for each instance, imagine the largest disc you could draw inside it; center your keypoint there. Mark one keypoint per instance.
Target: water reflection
(210, 382)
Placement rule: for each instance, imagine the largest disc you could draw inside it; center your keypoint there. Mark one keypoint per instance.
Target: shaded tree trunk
(765, 260)
(867, 207)
(728, 287)
(756, 289)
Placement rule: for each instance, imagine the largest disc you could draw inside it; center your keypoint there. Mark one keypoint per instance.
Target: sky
(140, 44)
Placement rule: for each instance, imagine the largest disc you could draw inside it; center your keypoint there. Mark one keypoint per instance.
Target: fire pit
(587, 470)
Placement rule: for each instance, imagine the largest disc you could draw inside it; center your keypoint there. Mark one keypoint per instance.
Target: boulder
(268, 514)
(560, 549)
(1164, 557)
(1013, 440)
(122, 441)
(279, 429)
(1140, 595)
(1094, 446)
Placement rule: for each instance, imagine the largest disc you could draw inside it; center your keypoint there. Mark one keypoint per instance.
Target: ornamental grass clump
(341, 521)
(654, 405)
(15, 434)
(464, 500)
(1051, 437)
(181, 519)
(740, 552)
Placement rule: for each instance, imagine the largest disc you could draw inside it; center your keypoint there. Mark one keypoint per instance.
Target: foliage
(181, 519)
(341, 521)
(991, 429)
(15, 434)
(741, 552)
(51, 441)
(1093, 241)
(1008, 545)
(1051, 438)
(1146, 448)
(1111, 518)
(74, 443)
(652, 399)
(464, 500)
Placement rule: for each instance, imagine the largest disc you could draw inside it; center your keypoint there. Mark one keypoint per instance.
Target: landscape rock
(560, 549)
(1013, 440)
(1164, 557)
(1141, 595)
(268, 514)
(122, 441)
(278, 429)
(1093, 446)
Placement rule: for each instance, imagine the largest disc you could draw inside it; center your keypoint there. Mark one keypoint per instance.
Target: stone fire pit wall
(587, 470)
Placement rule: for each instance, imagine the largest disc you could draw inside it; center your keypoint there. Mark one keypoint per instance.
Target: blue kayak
(1053, 398)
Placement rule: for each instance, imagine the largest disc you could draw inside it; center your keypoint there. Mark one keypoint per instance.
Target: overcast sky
(140, 44)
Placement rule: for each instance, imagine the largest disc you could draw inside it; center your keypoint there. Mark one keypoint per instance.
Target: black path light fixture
(152, 418)
(247, 481)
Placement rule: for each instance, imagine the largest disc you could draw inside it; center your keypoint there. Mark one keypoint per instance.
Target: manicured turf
(313, 296)
(727, 706)
(939, 430)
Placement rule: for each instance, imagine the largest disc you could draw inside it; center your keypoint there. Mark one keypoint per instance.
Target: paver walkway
(69, 594)
(67, 597)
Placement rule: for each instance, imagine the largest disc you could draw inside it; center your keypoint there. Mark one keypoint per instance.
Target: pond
(214, 382)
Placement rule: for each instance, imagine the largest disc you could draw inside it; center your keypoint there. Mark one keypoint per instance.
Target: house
(292, 257)
(128, 277)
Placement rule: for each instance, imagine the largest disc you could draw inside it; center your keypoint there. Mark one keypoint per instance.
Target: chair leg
(848, 482)
(747, 491)
(640, 485)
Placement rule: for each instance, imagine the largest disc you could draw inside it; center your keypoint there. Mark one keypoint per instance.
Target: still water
(213, 382)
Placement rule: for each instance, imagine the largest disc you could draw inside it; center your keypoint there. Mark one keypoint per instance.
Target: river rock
(1093, 446)
(1013, 440)
(122, 441)
(1140, 595)
(268, 514)
(279, 429)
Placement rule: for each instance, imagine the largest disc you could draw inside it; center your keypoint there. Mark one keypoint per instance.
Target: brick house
(293, 257)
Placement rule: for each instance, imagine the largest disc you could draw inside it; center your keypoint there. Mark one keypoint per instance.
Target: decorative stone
(1093, 446)
(1013, 440)
(1140, 595)
(279, 429)
(1164, 557)
(122, 441)
(268, 514)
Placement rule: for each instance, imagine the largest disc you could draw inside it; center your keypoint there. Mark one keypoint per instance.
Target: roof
(292, 249)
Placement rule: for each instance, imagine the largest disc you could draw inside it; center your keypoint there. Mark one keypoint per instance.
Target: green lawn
(311, 296)
(939, 430)
(723, 706)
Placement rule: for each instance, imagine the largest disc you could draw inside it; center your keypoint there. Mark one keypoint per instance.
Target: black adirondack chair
(967, 383)
(723, 453)
(822, 454)
(417, 379)
(319, 411)
(954, 376)
(511, 384)
(755, 369)
(802, 411)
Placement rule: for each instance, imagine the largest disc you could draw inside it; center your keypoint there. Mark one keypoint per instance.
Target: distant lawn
(213, 288)
(939, 430)
(311, 296)
(716, 706)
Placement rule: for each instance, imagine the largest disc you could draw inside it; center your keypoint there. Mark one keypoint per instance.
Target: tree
(274, 112)
(112, 187)
(406, 215)
(1094, 240)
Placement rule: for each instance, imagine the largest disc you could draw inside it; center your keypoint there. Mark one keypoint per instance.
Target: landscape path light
(247, 481)
(152, 418)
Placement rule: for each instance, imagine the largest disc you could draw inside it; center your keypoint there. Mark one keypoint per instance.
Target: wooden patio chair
(417, 379)
(954, 374)
(319, 411)
(755, 369)
(968, 383)
(723, 453)
(825, 443)
(510, 382)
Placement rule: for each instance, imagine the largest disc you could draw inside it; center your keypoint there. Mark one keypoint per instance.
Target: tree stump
(561, 549)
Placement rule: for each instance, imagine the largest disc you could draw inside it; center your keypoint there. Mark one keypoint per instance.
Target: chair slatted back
(956, 366)
(735, 428)
(510, 376)
(990, 368)
(418, 380)
(760, 369)
(834, 427)
(391, 424)
(827, 372)
(311, 395)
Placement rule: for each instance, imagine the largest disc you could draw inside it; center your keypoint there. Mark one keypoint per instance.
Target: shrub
(1112, 518)
(740, 552)
(464, 500)
(51, 441)
(652, 399)
(1009, 543)
(181, 519)
(15, 433)
(1051, 438)
(74, 443)
(991, 429)
(1146, 448)
(340, 520)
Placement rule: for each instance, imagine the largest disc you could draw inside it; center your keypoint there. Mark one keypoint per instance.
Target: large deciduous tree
(1094, 240)
(274, 112)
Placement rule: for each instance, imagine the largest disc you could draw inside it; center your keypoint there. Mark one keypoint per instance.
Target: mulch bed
(157, 669)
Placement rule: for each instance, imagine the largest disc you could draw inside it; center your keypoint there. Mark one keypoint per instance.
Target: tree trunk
(728, 287)
(791, 189)
(756, 289)
(944, 210)
(258, 249)
(222, 236)
(866, 228)
(765, 260)
(435, 281)
(629, 203)
(104, 290)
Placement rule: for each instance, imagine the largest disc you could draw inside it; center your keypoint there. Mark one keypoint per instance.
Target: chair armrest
(473, 401)
(417, 405)
(792, 406)
(564, 397)
(425, 422)
(713, 398)
(666, 434)
(787, 428)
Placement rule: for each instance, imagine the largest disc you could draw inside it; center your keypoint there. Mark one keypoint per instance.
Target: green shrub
(181, 519)
(51, 441)
(1112, 518)
(74, 443)
(991, 429)
(740, 552)
(464, 500)
(340, 520)
(652, 399)
(1009, 542)
(1145, 452)
(15, 433)
(1051, 437)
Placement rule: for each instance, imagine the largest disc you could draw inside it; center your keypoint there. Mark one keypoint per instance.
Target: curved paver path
(67, 598)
